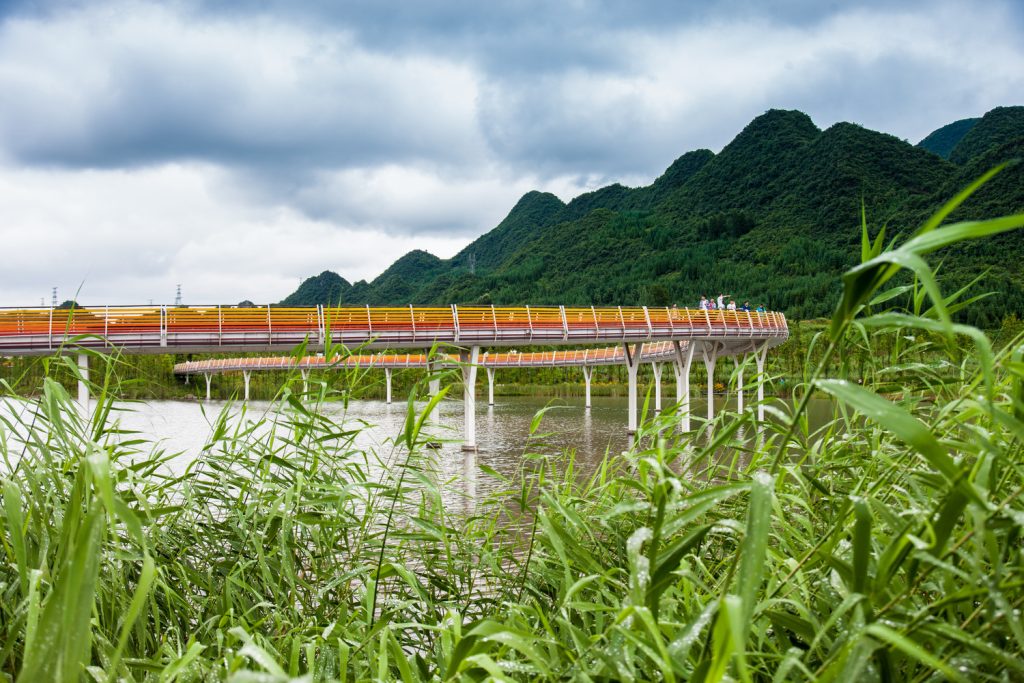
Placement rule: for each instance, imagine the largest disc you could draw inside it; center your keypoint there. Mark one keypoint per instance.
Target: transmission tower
(54, 304)
(177, 297)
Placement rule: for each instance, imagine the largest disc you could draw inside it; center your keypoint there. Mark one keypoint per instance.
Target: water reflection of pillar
(682, 370)
(469, 479)
(588, 431)
(588, 372)
(632, 357)
(657, 387)
(469, 362)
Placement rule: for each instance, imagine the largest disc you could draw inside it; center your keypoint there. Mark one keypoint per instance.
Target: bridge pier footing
(684, 359)
(588, 372)
(469, 363)
(83, 384)
(632, 368)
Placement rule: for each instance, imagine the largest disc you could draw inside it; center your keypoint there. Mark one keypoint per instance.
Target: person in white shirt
(732, 305)
(703, 305)
(721, 301)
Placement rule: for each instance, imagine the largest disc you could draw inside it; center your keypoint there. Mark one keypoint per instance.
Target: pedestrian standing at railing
(761, 308)
(721, 301)
(703, 305)
(732, 305)
(745, 306)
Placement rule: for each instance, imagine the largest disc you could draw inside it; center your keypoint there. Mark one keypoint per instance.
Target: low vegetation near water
(884, 545)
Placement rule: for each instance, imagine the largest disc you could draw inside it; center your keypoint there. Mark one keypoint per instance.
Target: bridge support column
(434, 387)
(632, 368)
(83, 384)
(387, 381)
(588, 373)
(490, 386)
(469, 362)
(435, 382)
(208, 377)
(305, 381)
(657, 386)
(739, 383)
(245, 377)
(710, 358)
(759, 358)
(684, 359)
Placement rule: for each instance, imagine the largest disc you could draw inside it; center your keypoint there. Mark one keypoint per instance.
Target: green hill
(773, 218)
(998, 127)
(325, 288)
(943, 140)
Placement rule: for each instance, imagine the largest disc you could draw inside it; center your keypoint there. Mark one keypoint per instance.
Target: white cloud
(148, 145)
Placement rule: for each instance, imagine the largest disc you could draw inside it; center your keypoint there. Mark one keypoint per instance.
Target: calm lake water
(503, 432)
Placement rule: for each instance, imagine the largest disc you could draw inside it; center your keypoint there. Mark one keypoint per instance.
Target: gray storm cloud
(420, 124)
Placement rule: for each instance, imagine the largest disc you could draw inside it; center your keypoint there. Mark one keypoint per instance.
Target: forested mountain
(943, 140)
(773, 218)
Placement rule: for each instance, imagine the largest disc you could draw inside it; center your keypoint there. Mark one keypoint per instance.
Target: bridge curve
(206, 329)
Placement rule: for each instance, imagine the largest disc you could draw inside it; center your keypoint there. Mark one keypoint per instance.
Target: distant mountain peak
(942, 140)
(996, 128)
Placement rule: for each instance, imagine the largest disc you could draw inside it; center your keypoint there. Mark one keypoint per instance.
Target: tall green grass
(883, 545)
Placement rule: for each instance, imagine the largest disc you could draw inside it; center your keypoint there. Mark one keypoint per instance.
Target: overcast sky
(238, 151)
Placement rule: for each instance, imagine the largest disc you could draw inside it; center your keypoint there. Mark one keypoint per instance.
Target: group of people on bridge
(719, 304)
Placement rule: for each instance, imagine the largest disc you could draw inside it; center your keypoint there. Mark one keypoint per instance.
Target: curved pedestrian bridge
(683, 333)
(199, 329)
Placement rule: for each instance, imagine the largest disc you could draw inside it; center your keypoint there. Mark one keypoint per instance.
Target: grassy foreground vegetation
(884, 545)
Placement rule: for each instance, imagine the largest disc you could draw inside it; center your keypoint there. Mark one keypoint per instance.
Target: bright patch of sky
(238, 151)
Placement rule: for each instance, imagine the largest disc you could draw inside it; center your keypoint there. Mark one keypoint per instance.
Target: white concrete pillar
(684, 359)
(759, 358)
(739, 383)
(632, 367)
(469, 364)
(208, 378)
(387, 381)
(434, 387)
(710, 354)
(83, 383)
(490, 386)
(245, 377)
(657, 386)
(305, 381)
(588, 373)
(435, 382)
